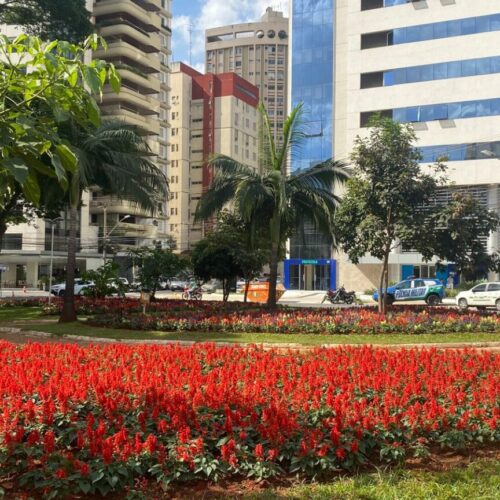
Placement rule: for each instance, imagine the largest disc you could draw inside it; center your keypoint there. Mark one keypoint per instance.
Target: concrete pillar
(32, 274)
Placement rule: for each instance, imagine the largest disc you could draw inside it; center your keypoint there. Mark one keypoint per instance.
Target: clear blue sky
(203, 14)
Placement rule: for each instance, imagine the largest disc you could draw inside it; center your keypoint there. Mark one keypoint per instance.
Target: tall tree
(116, 158)
(281, 198)
(385, 197)
(49, 19)
(391, 202)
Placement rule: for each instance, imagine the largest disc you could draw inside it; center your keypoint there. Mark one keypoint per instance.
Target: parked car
(80, 286)
(210, 286)
(429, 289)
(177, 285)
(481, 296)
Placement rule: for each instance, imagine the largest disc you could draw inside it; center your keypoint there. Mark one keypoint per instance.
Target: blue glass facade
(446, 29)
(442, 71)
(446, 111)
(312, 65)
(432, 31)
(460, 152)
(312, 68)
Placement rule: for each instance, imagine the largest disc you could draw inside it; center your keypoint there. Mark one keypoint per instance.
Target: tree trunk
(245, 297)
(226, 288)
(68, 313)
(382, 292)
(273, 260)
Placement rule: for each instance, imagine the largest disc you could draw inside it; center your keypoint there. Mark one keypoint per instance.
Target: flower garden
(235, 317)
(92, 420)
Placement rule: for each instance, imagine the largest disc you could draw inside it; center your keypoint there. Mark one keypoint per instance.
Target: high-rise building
(211, 114)
(138, 37)
(138, 34)
(432, 63)
(258, 52)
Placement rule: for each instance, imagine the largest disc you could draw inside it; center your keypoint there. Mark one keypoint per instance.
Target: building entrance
(303, 274)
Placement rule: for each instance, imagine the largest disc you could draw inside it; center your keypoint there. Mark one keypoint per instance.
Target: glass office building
(435, 65)
(312, 75)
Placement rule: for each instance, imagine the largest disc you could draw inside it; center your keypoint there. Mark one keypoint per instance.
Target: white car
(481, 296)
(80, 285)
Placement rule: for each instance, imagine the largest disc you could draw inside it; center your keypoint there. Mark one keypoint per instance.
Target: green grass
(9, 314)
(478, 481)
(81, 328)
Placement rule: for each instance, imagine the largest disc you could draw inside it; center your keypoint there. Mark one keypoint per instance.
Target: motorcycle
(192, 293)
(340, 296)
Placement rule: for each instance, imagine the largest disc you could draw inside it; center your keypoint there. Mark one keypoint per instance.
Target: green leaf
(93, 112)
(31, 188)
(68, 158)
(17, 168)
(60, 171)
(114, 79)
(92, 79)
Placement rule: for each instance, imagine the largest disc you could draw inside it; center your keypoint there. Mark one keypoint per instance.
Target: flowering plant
(93, 419)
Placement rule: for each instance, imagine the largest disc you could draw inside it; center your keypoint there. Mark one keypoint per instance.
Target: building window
(448, 111)
(431, 31)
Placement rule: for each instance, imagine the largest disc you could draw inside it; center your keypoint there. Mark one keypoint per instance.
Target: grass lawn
(478, 481)
(81, 328)
(29, 315)
(8, 314)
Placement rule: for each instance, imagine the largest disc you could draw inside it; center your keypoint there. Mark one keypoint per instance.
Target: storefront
(312, 274)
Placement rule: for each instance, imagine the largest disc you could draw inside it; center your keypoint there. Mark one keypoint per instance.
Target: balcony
(145, 42)
(110, 7)
(143, 104)
(117, 206)
(148, 125)
(120, 49)
(148, 85)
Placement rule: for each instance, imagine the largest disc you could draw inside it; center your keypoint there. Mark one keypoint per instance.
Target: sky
(203, 14)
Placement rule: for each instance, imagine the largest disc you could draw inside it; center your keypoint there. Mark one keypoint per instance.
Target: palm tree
(115, 158)
(284, 199)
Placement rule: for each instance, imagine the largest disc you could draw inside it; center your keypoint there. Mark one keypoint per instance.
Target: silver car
(59, 289)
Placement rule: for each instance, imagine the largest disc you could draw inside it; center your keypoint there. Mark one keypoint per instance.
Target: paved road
(290, 298)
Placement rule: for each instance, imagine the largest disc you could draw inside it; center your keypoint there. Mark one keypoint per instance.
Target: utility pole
(104, 232)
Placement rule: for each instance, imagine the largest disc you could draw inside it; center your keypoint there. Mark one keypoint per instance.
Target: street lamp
(52, 223)
(106, 236)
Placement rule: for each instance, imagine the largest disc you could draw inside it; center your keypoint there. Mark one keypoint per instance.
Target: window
(494, 287)
(449, 111)
(432, 31)
(460, 152)
(479, 288)
(429, 72)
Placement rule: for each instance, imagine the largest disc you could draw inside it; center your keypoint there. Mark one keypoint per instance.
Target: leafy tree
(156, 265)
(105, 280)
(247, 245)
(49, 19)
(213, 258)
(385, 199)
(42, 85)
(391, 202)
(274, 195)
(457, 233)
(116, 158)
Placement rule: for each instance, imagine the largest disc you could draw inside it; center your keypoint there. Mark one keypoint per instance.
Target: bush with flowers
(90, 420)
(171, 315)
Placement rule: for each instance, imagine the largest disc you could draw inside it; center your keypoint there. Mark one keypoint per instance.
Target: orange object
(259, 292)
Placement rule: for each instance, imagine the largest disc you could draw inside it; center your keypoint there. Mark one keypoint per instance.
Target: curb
(493, 346)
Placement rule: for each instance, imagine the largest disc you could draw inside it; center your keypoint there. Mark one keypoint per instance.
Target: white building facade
(432, 63)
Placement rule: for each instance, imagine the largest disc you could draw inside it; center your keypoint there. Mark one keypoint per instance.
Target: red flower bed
(94, 419)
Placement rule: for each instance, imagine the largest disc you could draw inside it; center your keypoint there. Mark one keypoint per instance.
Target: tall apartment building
(432, 63)
(258, 52)
(138, 34)
(210, 114)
